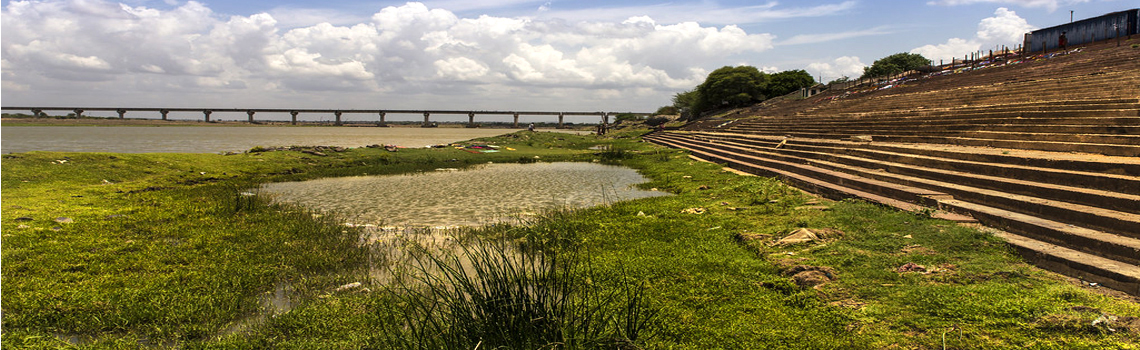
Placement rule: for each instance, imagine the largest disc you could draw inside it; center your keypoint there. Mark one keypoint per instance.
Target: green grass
(512, 288)
(161, 254)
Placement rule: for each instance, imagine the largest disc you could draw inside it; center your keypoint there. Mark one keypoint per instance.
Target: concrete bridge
(382, 113)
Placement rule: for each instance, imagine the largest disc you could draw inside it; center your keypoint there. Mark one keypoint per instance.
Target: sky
(469, 55)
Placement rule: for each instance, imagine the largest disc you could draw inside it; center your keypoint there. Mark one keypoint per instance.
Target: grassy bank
(130, 250)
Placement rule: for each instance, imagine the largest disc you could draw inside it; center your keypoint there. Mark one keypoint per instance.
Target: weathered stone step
(1116, 247)
(883, 188)
(970, 96)
(1094, 125)
(1083, 215)
(961, 120)
(1127, 150)
(1085, 170)
(1081, 163)
(988, 93)
(946, 111)
(929, 112)
(922, 130)
(1087, 267)
(825, 188)
(1106, 149)
(1100, 190)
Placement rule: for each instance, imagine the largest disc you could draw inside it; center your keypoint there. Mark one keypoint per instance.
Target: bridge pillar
(337, 113)
(294, 114)
(560, 123)
(250, 113)
(382, 116)
(516, 120)
(426, 120)
(37, 113)
(164, 113)
(207, 114)
(78, 113)
(471, 120)
(122, 113)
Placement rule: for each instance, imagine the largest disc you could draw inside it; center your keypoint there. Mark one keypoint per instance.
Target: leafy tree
(668, 110)
(731, 87)
(686, 102)
(894, 64)
(655, 121)
(788, 81)
(842, 79)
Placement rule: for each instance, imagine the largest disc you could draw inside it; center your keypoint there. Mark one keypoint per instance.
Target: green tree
(668, 110)
(788, 81)
(686, 102)
(731, 87)
(894, 64)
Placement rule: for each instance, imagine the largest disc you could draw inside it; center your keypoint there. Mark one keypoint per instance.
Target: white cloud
(846, 66)
(189, 54)
(1050, 5)
(1004, 28)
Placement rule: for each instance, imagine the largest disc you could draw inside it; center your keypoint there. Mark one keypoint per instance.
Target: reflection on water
(482, 195)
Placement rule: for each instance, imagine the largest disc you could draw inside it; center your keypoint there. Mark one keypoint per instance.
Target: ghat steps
(1046, 150)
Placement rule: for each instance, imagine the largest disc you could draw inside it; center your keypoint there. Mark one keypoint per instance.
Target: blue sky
(497, 54)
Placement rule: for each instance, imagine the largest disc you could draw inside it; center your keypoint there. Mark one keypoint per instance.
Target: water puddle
(448, 198)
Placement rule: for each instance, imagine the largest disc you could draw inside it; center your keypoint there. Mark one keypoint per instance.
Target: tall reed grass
(515, 288)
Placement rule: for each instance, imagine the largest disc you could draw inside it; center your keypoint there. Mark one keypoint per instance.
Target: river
(215, 139)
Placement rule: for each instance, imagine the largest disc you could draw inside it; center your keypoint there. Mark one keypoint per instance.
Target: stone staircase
(1052, 159)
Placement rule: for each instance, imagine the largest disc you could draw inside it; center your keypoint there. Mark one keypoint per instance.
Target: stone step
(1086, 170)
(956, 121)
(1032, 107)
(1116, 247)
(942, 182)
(829, 189)
(1113, 116)
(1112, 191)
(1105, 149)
(1087, 267)
(1094, 127)
(1127, 150)
(971, 96)
(923, 130)
(883, 188)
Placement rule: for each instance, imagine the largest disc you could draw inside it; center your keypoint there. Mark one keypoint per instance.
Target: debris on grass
(811, 276)
(697, 210)
(911, 267)
(805, 235)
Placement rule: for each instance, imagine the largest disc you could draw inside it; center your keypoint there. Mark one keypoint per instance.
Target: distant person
(1062, 41)
(530, 127)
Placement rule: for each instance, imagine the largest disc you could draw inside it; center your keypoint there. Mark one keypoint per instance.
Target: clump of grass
(614, 153)
(498, 293)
